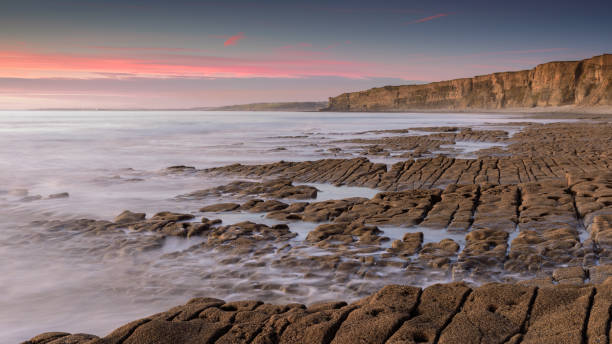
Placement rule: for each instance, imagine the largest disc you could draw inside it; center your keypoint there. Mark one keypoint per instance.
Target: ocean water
(112, 161)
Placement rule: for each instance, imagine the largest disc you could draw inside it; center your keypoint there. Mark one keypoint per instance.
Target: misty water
(112, 161)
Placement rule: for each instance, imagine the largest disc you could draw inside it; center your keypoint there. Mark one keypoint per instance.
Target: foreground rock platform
(527, 312)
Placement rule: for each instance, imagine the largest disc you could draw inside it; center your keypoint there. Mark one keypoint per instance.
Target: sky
(198, 53)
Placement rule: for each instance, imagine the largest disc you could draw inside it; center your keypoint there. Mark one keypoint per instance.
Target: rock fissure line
(452, 163)
(585, 325)
(475, 205)
(609, 324)
(220, 333)
(463, 171)
(525, 322)
(337, 325)
(477, 172)
(452, 316)
(413, 312)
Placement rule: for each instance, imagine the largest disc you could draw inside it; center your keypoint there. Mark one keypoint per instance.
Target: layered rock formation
(583, 83)
(441, 313)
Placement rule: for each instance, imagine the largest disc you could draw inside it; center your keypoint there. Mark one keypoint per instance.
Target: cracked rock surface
(441, 313)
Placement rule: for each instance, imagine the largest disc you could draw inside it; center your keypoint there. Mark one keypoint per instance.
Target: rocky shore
(529, 312)
(519, 234)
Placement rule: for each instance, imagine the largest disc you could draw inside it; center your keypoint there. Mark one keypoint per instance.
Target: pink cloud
(27, 64)
(232, 40)
(148, 49)
(426, 19)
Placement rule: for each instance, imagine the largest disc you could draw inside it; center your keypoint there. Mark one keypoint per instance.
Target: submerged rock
(278, 188)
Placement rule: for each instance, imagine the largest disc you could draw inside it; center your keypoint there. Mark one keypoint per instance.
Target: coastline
(519, 214)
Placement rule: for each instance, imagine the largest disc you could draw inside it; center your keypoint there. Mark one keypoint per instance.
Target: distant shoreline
(553, 110)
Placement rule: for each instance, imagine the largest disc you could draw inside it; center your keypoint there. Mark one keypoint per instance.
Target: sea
(111, 161)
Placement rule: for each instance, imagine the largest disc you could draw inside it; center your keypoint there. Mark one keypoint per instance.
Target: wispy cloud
(426, 19)
(29, 64)
(232, 40)
(148, 49)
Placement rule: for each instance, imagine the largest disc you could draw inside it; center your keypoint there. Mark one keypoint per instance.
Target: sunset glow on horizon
(266, 51)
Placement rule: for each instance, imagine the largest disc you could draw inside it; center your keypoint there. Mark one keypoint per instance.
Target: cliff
(585, 83)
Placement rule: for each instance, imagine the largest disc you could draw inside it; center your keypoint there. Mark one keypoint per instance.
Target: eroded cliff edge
(586, 83)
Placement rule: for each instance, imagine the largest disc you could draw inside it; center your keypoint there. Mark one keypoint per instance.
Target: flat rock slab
(441, 313)
(559, 315)
(493, 313)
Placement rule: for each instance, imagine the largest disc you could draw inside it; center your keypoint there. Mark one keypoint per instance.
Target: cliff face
(580, 83)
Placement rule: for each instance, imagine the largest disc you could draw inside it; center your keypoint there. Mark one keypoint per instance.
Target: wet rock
(345, 233)
(338, 171)
(574, 274)
(129, 217)
(406, 208)
(59, 195)
(278, 188)
(485, 251)
(261, 206)
(548, 229)
(170, 216)
(599, 274)
(290, 213)
(296, 207)
(169, 223)
(438, 255)
(455, 209)
(245, 235)
(497, 208)
(408, 246)
(539, 152)
(328, 210)
(220, 207)
(31, 198)
(180, 169)
(284, 216)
